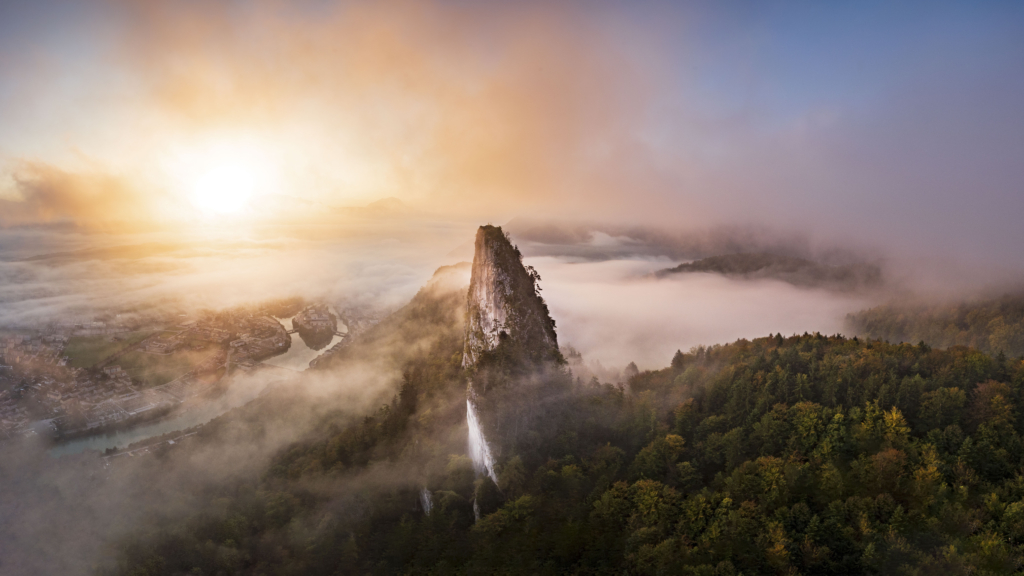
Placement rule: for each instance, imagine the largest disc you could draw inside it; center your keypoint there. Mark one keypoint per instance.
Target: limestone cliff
(507, 319)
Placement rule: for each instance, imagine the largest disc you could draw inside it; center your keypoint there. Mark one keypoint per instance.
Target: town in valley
(82, 379)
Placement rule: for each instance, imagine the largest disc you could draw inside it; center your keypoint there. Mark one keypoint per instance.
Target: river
(199, 411)
(298, 355)
(239, 391)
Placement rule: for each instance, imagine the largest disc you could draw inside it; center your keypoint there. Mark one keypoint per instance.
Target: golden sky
(865, 124)
(269, 111)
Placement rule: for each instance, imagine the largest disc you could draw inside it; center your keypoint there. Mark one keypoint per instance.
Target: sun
(224, 188)
(223, 175)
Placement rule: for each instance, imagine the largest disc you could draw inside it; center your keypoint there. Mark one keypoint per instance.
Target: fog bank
(613, 312)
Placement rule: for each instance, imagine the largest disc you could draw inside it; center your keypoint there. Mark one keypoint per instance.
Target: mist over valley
(435, 287)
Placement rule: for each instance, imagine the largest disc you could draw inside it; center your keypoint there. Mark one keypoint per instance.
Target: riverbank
(240, 390)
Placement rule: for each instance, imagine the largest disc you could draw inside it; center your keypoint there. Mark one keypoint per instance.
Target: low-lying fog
(52, 279)
(599, 289)
(612, 311)
(609, 308)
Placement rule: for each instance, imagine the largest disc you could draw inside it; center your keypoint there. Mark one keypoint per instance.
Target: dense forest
(808, 454)
(993, 326)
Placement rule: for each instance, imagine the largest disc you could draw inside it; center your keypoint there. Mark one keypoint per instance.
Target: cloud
(679, 117)
(66, 515)
(482, 109)
(42, 194)
(613, 312)
(152, 276)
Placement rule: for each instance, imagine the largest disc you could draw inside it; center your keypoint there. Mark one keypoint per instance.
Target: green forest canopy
(992, 326)
(807, 454)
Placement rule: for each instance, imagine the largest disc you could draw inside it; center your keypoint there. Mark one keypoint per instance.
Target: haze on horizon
(231, 140)
(164, 160)
(894, 127)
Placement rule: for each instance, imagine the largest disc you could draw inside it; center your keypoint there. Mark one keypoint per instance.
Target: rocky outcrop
(508, 320)
(316, 325)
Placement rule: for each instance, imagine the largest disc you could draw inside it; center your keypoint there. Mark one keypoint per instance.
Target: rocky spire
(508, 320)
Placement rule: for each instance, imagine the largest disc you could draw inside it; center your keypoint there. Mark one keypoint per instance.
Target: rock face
(507, 318)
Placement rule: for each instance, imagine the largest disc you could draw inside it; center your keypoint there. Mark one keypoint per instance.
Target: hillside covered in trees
(993, 326)
(809, 454)
(796, 271)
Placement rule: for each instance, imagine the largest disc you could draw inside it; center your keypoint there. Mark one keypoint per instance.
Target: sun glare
(223, 176)
(224, 189)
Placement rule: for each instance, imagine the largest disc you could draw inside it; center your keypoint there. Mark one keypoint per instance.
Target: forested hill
(993, 326)
(801, 455)
(796, 271)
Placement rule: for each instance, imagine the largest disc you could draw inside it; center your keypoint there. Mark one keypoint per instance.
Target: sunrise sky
(867, 123)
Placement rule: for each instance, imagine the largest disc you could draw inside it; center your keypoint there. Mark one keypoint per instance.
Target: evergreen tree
(678, 360)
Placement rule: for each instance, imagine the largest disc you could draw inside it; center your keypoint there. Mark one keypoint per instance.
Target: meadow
(88, 351)
(158, 369)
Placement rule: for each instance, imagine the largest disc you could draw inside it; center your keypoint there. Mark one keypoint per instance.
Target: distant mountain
(796, 271)
(603, 241)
